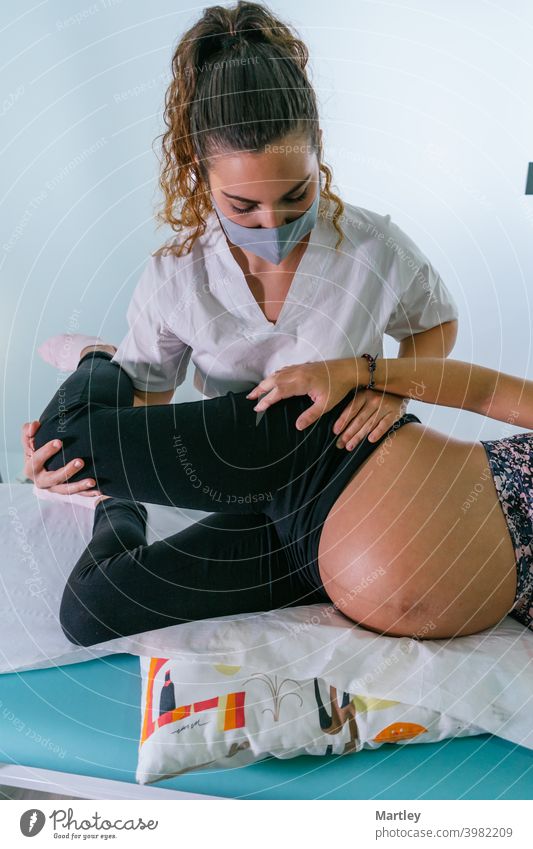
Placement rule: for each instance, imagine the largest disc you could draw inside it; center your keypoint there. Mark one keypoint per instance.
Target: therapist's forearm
(434, 380)
(437, 342)
(453, 383)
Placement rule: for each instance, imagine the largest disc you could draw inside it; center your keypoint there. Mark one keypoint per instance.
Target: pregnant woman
(413, 532)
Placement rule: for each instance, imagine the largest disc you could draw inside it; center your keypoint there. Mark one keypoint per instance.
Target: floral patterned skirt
(511, 464)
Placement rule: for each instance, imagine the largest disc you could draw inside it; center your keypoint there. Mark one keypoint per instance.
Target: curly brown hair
(256, 92)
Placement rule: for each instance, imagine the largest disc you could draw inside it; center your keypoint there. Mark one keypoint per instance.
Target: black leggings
(264, 480)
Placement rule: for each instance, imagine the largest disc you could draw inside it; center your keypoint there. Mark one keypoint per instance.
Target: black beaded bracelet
(372, 367)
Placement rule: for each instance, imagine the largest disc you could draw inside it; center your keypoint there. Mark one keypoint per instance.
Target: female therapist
(269, 268)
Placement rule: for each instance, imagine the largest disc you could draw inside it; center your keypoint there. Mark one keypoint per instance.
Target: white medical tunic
(199, 307)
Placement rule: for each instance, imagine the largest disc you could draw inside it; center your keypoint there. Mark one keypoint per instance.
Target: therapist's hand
(369, 413)
(326, 383)
(34, 469)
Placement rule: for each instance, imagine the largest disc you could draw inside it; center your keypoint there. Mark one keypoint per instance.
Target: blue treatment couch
(74, 730)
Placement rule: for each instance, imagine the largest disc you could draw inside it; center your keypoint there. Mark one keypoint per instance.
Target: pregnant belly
(417, 543)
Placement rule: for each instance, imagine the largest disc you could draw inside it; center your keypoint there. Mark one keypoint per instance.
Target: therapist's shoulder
(175, 255)
(367, 235)
(175, 267)
(186, 250)
(361, 227)
(384, 243)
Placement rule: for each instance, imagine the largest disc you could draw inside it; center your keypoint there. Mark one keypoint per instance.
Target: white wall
(426, 112)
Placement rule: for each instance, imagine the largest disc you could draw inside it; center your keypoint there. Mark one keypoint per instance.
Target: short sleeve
(153, 356)
(422, 300)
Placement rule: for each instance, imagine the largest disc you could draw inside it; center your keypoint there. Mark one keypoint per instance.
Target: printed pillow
(196, 716)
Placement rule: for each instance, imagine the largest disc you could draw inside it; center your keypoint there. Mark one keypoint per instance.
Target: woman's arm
(453, 383)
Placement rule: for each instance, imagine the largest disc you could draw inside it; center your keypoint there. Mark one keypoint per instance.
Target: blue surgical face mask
(271, 243)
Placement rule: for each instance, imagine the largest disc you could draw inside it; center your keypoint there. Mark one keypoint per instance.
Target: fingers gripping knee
(74, 436)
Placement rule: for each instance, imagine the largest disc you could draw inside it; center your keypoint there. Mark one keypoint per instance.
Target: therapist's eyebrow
(247, 200)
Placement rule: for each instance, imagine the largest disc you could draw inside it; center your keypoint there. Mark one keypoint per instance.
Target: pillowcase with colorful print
(197, 715)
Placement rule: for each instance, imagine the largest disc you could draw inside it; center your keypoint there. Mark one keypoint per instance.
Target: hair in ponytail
(238, 83)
